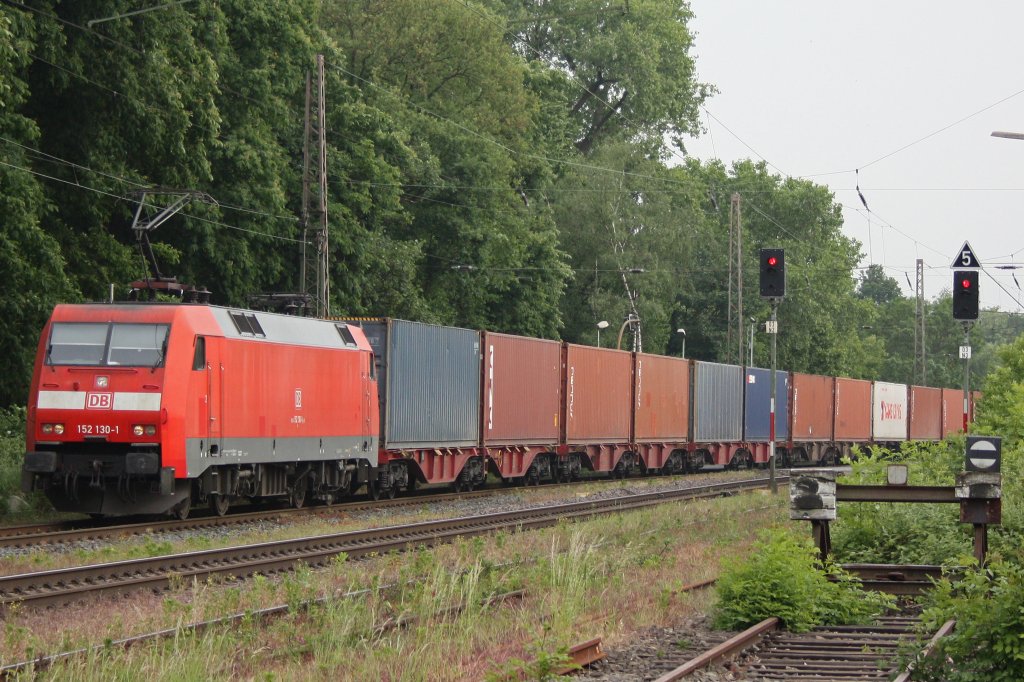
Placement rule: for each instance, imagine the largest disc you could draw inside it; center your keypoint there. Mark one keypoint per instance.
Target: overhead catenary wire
(129, 199)
(135, 183)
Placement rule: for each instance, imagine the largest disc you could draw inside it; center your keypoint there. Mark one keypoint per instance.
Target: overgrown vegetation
(580, 580)
(13, 503)
(987, 644)
(784, 577)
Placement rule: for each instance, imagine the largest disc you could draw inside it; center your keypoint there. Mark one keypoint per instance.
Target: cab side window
(199, 359)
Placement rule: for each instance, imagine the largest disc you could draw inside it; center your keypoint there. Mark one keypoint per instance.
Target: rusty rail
(946, 628)
(726, 649)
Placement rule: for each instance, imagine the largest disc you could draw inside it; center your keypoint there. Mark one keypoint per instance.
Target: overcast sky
(819, 89)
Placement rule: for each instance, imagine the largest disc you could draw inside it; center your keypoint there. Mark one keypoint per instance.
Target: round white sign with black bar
(984, 453)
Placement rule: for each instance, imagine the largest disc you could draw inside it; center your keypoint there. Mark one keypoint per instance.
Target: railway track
(70, 584)
(36, 534)
(841, 652)
(70, 531)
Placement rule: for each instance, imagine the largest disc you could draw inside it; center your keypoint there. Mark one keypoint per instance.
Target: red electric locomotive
(143, 408)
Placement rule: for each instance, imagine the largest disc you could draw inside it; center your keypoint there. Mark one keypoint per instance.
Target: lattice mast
(315, 243)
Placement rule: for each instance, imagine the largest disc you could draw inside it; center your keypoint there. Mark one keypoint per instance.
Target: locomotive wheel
(373, 491)
(182, 509)
(219, 504)
(391, 492)
(297, 497)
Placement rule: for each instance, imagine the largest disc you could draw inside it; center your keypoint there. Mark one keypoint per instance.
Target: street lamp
(683, 332)
(630, 320)
(603, 324)
(1009, 136)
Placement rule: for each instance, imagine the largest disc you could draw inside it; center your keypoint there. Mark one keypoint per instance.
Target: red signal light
(965, 283)
(773, 261)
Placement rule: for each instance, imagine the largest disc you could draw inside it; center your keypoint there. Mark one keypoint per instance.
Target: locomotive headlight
(150, 430)
(58, 429)
(138, 429)
(47, 428)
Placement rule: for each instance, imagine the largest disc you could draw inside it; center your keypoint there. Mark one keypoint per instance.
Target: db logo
(99, 401)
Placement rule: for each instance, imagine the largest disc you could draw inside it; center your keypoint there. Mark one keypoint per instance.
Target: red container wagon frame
(521, 389)
(661, 413)
(597, 414)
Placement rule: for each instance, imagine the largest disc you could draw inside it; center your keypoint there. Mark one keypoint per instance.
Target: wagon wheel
(182, 509)
(532, 475)
(411, 486)
(219, 504)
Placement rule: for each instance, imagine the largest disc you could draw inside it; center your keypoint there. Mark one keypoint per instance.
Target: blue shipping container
(429, 383)
(717, 403)
(757, 407)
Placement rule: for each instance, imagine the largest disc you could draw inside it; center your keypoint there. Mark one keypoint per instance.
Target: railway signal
(984, 453)
(965, 295)
(773, 273)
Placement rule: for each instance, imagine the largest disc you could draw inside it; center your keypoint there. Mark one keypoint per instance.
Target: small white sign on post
(965, 352)
(771, 327)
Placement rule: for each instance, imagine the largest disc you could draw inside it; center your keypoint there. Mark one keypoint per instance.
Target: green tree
(628, 68)
(30, 258)
(877, 286)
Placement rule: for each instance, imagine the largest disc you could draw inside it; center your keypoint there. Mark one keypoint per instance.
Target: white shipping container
(889, 411)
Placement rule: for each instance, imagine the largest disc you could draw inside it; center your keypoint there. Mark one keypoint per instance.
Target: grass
(609, 577)
(143, 546)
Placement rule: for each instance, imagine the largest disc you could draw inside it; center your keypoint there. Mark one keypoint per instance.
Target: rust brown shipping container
(853, 410)
(522, 382)
(597, 395)
(661, 386)
(952, 411)
(925, 413)
(812, 409)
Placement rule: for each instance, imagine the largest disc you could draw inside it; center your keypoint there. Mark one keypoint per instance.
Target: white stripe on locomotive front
(75, 400)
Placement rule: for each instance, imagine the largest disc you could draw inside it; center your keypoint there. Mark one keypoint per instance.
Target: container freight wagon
(852, 418)
(925, 413)
(522, 398)
(757, 411)
(813, 419)
(429, 387)
(597, 394)
(889, 413)
(717, 414)
(952, 412)
(661, 406)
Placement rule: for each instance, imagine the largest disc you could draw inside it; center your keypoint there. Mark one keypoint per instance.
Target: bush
(785, 578)
(12, 452)
(923, 533)
(988, 642)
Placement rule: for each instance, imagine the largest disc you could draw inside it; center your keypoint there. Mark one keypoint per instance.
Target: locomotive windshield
(103, 344)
